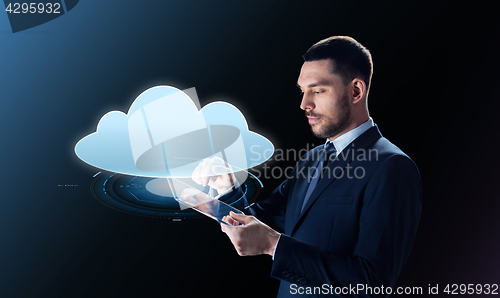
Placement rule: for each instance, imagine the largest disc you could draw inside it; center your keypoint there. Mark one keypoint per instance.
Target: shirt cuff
(276, 246)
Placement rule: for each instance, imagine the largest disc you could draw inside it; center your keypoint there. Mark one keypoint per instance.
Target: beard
(332, 126)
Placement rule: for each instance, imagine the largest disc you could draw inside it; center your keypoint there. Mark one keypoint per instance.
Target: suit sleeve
(388, 224)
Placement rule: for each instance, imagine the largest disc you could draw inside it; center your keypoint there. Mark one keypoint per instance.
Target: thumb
(240, 217)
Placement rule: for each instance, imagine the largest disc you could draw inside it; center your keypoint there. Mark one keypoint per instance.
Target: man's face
(325, 100)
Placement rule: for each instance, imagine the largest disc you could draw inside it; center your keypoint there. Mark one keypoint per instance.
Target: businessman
(348, 213)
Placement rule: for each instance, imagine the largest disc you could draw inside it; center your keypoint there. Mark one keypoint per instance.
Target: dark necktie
(324, 160)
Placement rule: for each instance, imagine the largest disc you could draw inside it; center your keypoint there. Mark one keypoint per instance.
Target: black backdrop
(434, 94)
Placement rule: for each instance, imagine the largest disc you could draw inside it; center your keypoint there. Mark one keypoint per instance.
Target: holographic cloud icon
(165, 134)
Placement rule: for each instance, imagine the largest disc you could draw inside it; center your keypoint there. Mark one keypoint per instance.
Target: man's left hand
(253, 238)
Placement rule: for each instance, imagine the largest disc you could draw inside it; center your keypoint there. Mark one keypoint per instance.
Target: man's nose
(307, 103)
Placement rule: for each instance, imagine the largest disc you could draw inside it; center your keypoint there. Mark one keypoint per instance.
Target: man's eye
(318, 91)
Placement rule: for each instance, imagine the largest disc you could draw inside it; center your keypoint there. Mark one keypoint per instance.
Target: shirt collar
(341, 142)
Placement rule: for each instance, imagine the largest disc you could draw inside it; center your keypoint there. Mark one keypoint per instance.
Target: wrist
(222, 190)
(273, 241)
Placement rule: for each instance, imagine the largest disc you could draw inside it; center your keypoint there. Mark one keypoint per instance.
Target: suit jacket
(358, 225)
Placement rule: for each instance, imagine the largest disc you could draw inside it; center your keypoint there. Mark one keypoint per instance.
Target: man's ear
(358, 90)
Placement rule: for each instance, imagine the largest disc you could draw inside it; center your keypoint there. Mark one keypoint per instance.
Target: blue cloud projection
(165, 135)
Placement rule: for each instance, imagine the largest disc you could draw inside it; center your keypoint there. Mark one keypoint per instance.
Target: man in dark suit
(344, 221)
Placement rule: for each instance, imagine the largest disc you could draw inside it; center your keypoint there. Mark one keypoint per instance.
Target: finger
(225, 228)
(216, 160)
(204, 178)
(225, 174)
(211, 181)
(206, 167)
(188, 200)
(241, 217)
(202, 197)
(221, 170)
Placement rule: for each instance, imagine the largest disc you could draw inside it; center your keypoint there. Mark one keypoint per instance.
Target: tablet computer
(191, 196)
(214, 209)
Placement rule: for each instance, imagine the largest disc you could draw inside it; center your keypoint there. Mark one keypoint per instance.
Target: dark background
(434, 94)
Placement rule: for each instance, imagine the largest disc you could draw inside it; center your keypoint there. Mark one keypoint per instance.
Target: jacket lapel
(335, 169)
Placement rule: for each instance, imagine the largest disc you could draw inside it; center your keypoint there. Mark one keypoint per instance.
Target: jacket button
(296, 278)
(286, 274)
(302, 280)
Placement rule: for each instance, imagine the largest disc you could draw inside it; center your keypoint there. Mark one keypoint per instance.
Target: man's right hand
(216, 173)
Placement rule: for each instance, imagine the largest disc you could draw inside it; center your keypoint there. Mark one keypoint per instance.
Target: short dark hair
(350, 58)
